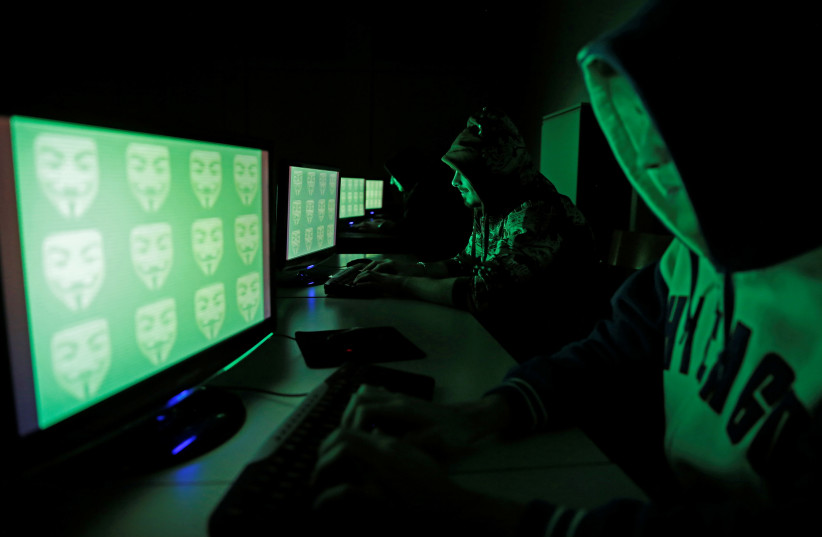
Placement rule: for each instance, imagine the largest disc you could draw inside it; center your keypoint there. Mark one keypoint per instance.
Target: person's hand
(374, 480)
(443, 431)
(388, 266)
(388, 284)
(379, 485)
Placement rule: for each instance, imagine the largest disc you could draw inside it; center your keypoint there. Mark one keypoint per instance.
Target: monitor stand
(191, 424)
(304, 276)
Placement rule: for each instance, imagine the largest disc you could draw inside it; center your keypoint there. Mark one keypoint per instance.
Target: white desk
(463, 358)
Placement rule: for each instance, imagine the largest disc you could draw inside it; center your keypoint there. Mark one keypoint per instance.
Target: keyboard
(272, 491)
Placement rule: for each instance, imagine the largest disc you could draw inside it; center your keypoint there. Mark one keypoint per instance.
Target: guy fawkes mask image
(206, 176)
(152, 252)
(155, 326)
(247, 236)
(207, 242)
(68, 171)
(81, 357)
(248, 295)
(74, 266)
(246, 177)
(209, 309)
(148, 169)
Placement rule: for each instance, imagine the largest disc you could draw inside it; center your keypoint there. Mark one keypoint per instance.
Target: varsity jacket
(722, 336)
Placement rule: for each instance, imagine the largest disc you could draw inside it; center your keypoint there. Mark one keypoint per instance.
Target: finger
(335, 464)
(365, 395)
(364, 275)
(346, 457)
(396, 415)
(372, 265)
(344, 443)
(383, 266)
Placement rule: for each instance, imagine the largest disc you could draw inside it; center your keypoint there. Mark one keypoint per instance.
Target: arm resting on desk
(443, 431)
(438, 291)
(393, 486)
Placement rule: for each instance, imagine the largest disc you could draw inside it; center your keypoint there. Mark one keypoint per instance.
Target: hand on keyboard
(380, 282)
(343, 283)
(443, 432)
(375, 479)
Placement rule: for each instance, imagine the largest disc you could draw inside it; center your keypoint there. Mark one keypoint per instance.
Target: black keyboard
(272, 492)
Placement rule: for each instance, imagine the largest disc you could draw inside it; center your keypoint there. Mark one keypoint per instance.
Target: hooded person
(705, 383)
(434, 222)
(529, 251)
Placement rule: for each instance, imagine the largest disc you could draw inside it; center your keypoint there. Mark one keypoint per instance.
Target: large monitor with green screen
(134, 267)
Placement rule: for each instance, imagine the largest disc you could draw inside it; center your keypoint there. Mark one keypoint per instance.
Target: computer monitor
(352, 198)
(373, 195)
(135, 267)
(307, 212)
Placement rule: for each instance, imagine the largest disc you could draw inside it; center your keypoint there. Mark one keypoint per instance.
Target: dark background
(340, 86)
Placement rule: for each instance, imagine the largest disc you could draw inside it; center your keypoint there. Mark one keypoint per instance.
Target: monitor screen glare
(352, 197)
(138, 251)
(312, 206)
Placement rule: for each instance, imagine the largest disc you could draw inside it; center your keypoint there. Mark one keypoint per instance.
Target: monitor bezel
(99, 423)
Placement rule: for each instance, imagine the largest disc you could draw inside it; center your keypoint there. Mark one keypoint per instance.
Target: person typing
(531, 247)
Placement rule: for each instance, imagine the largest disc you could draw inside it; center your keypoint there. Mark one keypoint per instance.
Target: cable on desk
(261, 390)
(285, 336)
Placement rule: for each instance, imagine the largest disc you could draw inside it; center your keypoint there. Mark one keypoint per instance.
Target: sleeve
(552, 391)
(580, 381)
(532, 242)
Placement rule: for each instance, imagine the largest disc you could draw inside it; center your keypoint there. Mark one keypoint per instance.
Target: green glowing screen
(312, 206)
(138, 252)
(352, 197)
(373, 194)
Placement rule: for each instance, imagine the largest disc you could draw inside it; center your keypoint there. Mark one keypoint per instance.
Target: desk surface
(463, 358)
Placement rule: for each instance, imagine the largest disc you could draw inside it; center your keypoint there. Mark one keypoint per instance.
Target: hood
(491, 154)
(723, 88)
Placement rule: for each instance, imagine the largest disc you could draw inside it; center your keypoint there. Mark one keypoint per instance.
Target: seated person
(529, 252)
(434, 222)
(705, 383)
(420, 207)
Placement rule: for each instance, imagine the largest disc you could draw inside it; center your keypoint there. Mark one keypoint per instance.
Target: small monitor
(134, 268)
(373, 195)
(352, 198)
(307, 222)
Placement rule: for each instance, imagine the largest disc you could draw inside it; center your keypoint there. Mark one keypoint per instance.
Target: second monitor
(307, 199)
(352, 198)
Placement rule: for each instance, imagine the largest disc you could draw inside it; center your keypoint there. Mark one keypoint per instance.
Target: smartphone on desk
(332, 348)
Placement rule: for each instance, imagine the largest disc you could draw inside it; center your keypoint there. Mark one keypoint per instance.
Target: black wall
(344, 87)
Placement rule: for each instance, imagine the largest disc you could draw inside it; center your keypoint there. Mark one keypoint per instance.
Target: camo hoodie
(711, 363)
(528, 240)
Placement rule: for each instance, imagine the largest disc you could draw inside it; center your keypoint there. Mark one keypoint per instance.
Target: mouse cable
(264, 391)
(284, 335)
